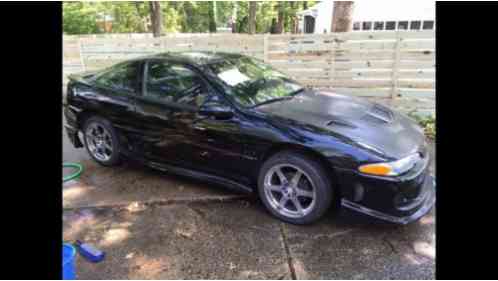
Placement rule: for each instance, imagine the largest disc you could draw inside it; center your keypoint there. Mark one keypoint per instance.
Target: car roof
(196, 58)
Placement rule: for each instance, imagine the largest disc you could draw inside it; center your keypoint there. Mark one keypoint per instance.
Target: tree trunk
(293, 18)
(143, 21)
(211, 14)
(273, 28)
(342, 17)
(234, 17)
(280, 17)
(305, 5)
(156, 18)
(252, 17)
(295, 24)
(215, 13)
(189, 14)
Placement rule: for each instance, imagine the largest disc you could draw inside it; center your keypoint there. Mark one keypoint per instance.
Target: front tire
(295, 188)
(101, 141)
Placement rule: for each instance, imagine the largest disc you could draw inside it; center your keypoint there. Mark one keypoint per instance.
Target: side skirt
(201, 175)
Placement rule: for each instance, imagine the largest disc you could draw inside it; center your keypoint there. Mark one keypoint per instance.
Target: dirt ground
(153, 225)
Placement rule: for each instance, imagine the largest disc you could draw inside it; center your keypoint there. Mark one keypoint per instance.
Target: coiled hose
(77, 173)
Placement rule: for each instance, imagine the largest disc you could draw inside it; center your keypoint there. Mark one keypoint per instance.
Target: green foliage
(195, 16)
(264, 15)
(427, 122)
(80, 17)
(172, 20)
(224, 11)
(178, 16)
(128, 17)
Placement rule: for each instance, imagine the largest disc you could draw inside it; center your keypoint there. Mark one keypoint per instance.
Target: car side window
(176, 83)
(121, 78)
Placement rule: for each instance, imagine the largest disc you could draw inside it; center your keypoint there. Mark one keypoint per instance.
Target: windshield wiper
(296, 92)
(273, 100)
(288, 97)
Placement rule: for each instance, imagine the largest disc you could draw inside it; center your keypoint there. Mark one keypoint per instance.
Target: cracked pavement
(154, 225)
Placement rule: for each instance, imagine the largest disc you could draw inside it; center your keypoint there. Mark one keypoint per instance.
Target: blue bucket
(68, 254)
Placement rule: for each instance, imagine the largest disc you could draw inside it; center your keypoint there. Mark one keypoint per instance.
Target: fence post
(82, 61)
(265, 47)
(395, 73)
(332, 59)
(164, 42)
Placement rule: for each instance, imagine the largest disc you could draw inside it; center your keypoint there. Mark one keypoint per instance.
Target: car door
(165, 114)
(175, 130)
(114, 95)
(220, 143)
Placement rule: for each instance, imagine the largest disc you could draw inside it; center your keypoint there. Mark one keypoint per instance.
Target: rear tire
(295, 188)
(101, 141)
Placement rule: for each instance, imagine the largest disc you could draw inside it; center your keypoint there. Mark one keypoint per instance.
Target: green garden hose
(74, 175)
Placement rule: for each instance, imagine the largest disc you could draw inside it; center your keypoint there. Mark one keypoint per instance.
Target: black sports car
(236, 121)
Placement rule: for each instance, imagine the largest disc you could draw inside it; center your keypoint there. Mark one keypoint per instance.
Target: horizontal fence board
(286, 38)
(299, 48)
(413, 103)
(307, 72)
(364, 74)
(420, 73)
(384, 35)
(412, 83)
(416, 111)
(311, 64)
(372, 64)
(356, 35)
(386, 45)
(417, 55)
(365, 46)
(410, 64)
(415, 93)
(371, 92)
(343, 83)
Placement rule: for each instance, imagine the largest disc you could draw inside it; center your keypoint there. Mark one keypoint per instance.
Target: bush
(427, 122)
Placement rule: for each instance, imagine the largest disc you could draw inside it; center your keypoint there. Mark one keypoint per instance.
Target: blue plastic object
(68, 254)
(89, 252)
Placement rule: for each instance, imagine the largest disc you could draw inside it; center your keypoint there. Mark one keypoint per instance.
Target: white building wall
(370, 10)
(323, 22)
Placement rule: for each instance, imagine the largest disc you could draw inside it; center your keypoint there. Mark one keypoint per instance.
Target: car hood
(371, 125)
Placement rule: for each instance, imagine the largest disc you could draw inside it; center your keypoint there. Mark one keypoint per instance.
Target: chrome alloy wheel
(289, 190)
(99, 141)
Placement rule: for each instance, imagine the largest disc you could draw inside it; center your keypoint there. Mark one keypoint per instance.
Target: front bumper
(72, 134)
(421, 205)
(400, 200)
(71, 127)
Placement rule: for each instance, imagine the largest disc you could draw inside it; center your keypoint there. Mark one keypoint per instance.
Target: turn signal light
(376, 169)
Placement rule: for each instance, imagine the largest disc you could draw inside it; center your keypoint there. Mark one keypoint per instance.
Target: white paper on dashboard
(233, 77)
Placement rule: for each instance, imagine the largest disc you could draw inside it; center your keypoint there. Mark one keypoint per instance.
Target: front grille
(415, 187)
(412, 194)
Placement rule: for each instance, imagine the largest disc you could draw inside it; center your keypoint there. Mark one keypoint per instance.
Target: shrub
(427, 122)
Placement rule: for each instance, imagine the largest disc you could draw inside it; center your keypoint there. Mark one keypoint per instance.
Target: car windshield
(254, 83)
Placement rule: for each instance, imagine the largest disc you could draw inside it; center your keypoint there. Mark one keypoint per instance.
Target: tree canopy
(178, 16)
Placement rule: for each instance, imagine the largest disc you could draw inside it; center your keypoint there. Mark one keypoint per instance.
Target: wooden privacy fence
(394, 67)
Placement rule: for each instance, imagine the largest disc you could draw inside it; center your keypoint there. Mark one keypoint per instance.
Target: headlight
(391, 168)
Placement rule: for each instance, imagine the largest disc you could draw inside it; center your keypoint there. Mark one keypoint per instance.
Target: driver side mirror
(217, 110)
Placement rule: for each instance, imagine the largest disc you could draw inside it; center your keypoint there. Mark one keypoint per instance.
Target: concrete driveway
(158, 226)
